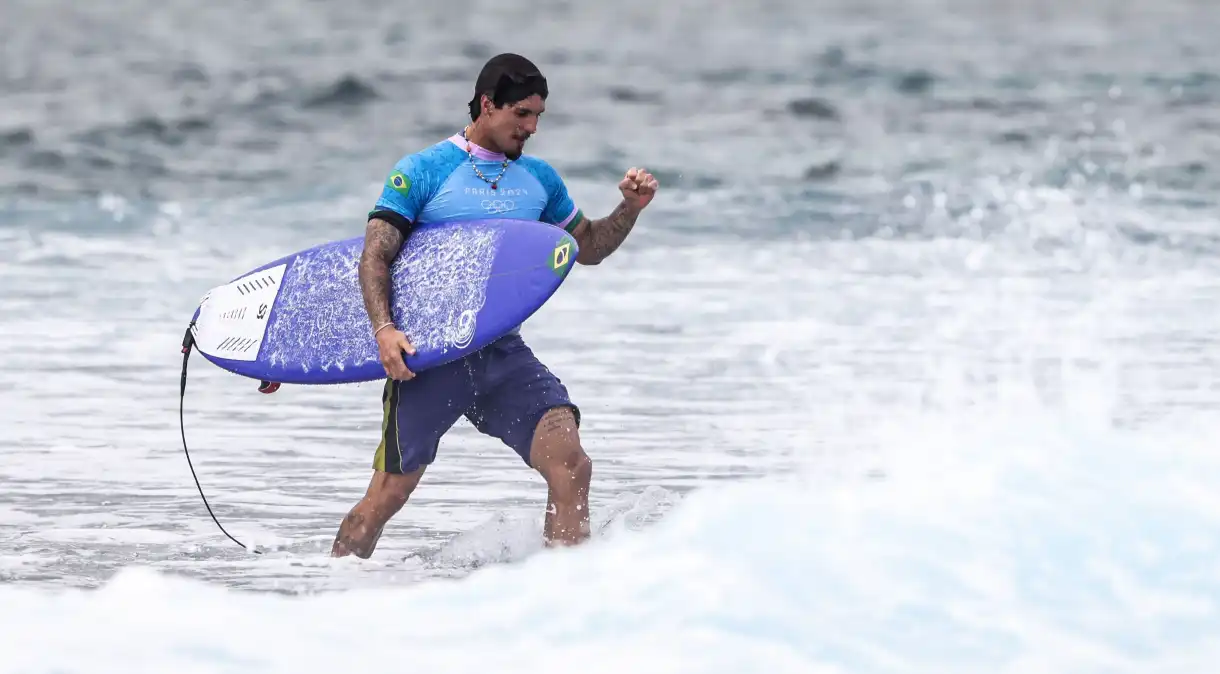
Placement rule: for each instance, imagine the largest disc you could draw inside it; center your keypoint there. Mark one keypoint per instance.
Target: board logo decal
(399, 182)
(462, 333)
(561, 256)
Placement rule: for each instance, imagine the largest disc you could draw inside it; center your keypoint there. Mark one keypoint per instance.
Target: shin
(386, 495)
(557, 455)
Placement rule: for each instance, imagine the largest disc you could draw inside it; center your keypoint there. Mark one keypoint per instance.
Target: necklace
(503, 166)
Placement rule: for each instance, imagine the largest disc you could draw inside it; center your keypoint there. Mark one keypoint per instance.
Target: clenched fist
(638, 188)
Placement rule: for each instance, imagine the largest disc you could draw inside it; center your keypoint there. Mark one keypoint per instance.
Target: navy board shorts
(503, 390)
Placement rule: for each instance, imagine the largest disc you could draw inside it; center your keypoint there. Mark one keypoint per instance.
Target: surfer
(503, 389)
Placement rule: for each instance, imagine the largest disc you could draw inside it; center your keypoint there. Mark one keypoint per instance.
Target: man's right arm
(403, 196)
(382, 242)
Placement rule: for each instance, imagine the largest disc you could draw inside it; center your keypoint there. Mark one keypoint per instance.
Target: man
(502, 389)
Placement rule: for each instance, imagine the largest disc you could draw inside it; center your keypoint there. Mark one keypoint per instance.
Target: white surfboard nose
(233, 317)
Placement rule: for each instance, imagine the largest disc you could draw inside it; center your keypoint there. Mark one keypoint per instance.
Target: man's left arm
(599, 238)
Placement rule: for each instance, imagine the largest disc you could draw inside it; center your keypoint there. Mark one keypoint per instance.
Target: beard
(516, 147)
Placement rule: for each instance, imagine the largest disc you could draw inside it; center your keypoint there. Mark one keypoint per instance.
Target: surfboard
(456, 287)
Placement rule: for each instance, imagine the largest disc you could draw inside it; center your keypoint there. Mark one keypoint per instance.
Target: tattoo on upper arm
(382, 241)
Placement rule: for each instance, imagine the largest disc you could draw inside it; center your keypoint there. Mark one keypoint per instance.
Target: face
(509, 127)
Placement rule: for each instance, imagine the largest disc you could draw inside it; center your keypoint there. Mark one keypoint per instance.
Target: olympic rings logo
(493, 206)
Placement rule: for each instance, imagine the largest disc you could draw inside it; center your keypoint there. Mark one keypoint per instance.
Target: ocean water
(911, 366)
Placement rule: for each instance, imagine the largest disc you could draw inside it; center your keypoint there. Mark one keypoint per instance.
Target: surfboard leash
(188, 341)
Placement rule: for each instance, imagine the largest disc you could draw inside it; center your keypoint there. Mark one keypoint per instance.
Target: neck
(476, 135)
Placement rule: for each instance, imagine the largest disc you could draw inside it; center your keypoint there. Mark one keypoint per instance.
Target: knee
(581, 467)
(570, 474)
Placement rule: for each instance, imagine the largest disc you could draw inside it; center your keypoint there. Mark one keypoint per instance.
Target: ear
(486, 103)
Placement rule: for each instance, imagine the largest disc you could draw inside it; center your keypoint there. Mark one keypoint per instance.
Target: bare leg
(557, 455)
(386, 495)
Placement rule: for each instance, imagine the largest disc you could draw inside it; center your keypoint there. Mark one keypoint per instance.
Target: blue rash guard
(440, 183)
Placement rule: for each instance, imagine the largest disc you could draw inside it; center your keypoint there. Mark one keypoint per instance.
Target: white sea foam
(1013, 539)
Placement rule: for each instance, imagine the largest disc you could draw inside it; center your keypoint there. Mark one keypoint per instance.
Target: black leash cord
(187, 342)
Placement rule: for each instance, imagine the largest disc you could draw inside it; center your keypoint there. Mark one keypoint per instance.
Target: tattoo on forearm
(381, 244)
(608, 233)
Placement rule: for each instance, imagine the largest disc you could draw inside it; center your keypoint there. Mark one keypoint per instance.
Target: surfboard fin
(268, 386)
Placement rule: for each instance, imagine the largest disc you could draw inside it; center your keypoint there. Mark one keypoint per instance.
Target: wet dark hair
(507, 79)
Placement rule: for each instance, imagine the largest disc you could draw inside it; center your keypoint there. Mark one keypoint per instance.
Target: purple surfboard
(457, 286)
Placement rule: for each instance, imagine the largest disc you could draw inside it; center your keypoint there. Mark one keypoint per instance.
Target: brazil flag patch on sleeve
(399, 182)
